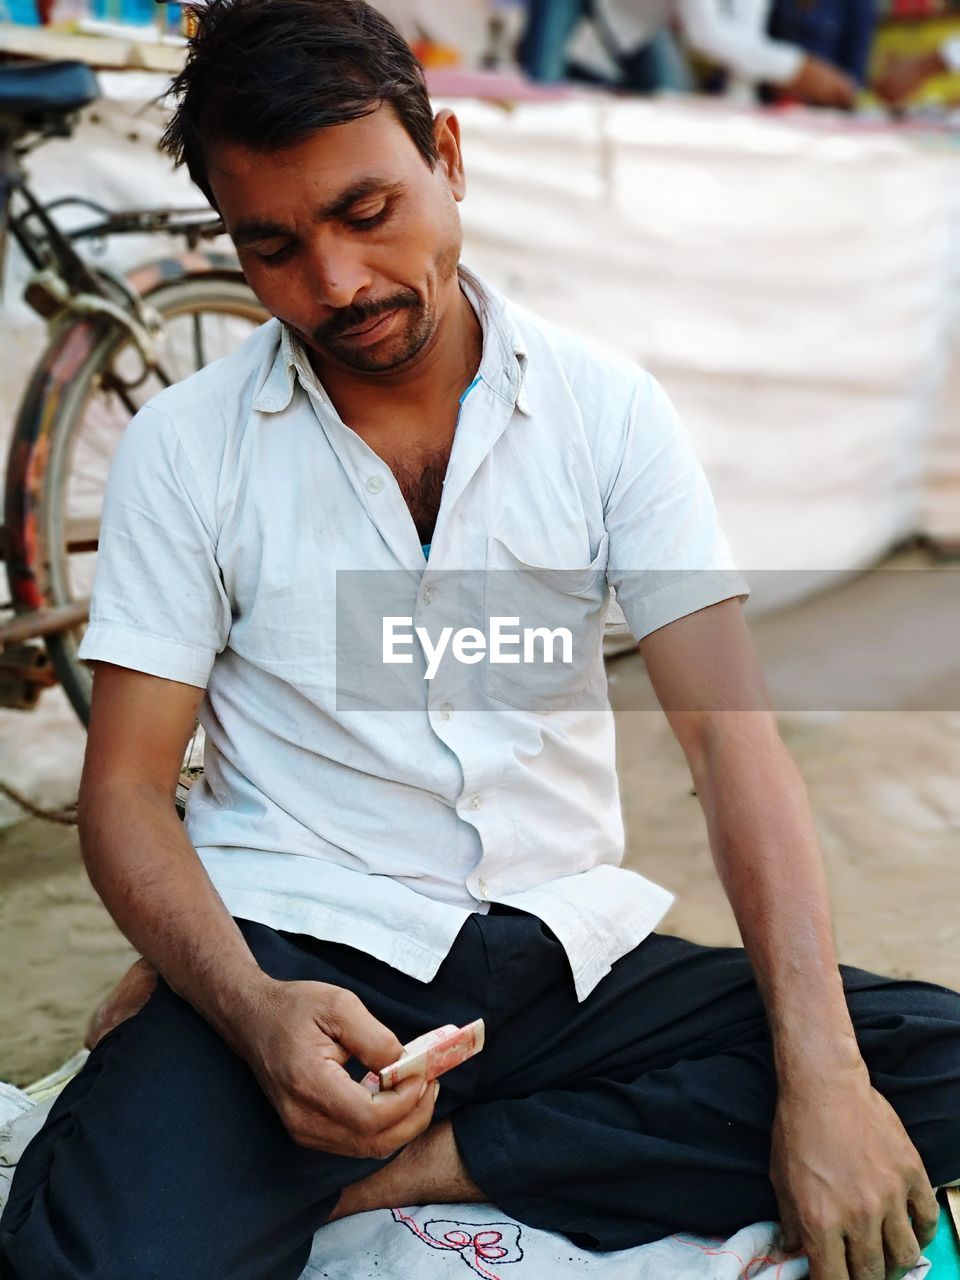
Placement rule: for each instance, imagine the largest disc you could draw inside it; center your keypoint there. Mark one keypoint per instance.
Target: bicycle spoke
(198, 352)
(112, 383)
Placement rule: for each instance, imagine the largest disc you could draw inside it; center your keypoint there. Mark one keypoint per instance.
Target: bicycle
(114, 341)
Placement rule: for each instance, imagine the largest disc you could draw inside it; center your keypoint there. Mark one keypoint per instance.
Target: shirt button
(427, 595)
(446, 711)
(375, 484)
(476, 802)
(482, 886)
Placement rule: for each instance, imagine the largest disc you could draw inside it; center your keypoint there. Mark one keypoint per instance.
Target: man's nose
(340, 273)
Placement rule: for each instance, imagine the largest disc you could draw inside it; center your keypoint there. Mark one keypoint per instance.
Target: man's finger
(865, 1256)
(924, 1211)
(390, 1140)
(791, 1239)
(899, 1245)
(347, 1020)
(331, 1134)
(356, 1108)
(827, 1257)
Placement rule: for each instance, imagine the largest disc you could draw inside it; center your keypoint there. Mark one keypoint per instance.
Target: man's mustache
(362, 313)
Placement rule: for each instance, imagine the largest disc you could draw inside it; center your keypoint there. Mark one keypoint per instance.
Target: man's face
(349, 237)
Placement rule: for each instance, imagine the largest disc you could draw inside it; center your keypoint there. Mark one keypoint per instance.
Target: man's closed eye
(276, 255)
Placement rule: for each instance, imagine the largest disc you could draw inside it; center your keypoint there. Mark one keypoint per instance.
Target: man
(372, 854)
(622, 40)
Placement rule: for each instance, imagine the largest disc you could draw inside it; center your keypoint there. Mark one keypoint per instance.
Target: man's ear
(446, 132)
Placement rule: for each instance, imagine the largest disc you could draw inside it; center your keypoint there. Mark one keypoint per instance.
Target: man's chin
(390, 356)
(369, 361)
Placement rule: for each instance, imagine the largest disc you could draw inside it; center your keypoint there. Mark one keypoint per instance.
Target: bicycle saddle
(46, 87)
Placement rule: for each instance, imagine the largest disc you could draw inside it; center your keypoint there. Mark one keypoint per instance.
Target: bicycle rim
(204, 319)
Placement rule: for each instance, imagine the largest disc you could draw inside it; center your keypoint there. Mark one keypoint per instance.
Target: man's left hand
(851, 1187)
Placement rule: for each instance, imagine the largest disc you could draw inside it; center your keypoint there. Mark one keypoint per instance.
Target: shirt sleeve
(158, 604)
(741, 45)
(667, 555)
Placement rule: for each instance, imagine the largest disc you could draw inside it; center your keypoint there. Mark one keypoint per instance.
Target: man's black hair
(268, 73)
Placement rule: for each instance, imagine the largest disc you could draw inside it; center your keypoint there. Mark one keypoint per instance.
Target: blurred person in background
(628, 43)
(901, 77)
(838, 32)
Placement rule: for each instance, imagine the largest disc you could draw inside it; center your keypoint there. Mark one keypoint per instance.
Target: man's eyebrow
(252, 230)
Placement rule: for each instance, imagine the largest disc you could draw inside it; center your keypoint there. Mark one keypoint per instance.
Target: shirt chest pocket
(285, 621)
(550, 620)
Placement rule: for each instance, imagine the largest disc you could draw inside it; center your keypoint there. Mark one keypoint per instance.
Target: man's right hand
(296, 1038)
(822, 85)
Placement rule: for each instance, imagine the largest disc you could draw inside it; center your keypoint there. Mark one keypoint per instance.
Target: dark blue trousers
(643, 1111)
(839, 31)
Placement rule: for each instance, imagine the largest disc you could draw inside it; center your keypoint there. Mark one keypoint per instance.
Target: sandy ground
(883, 785)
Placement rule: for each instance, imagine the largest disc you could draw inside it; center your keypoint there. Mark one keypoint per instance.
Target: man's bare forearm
(765, 846)
(152, 882)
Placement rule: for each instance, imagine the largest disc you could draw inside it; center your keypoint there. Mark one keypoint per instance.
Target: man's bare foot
(427, 1171)
(127, 998)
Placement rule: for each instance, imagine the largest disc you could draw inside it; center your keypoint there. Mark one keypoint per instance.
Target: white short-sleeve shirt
(251, 544)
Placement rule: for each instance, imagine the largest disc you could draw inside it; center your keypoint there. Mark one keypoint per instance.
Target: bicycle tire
(191, 297)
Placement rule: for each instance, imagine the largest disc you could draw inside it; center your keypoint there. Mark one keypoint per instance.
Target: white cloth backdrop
(793, 286)
(793, 283)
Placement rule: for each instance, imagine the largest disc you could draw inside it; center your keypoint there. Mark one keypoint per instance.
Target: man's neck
(426, 388)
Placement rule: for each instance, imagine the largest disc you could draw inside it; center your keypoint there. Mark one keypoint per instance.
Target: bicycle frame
(63, 284)
(64, 281)
(83, 304)
(77, 300)
(51, 248)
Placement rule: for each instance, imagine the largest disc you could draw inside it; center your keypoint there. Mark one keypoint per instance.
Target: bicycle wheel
(203, 318)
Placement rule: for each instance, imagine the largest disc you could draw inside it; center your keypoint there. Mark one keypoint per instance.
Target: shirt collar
(503, 364)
